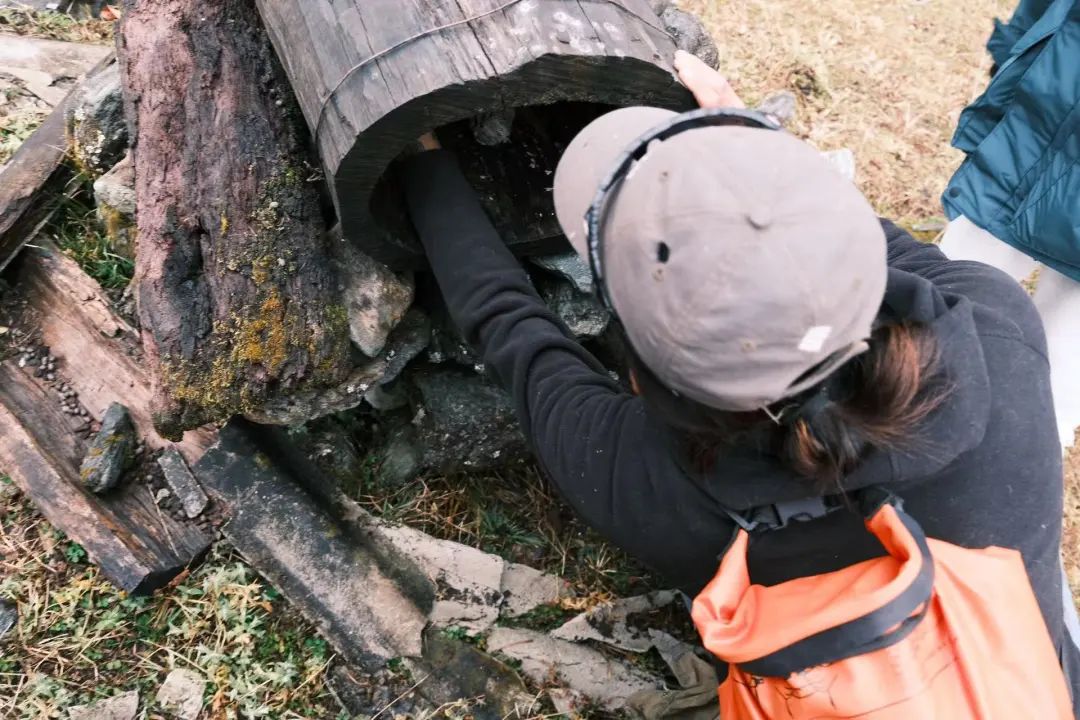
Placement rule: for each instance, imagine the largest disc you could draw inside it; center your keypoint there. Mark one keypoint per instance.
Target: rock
(361, 694)
(447, 344)
(115, 190)
(182, 694)
(401, 459)
(110, 452)
(406, 342)
(583, 314)
(330, 445)
(385, 398)
(456, 670)
(119, 707)
(9, 615)
(493, 128)
(586, 675)
(690, 35)
(182, 483)
(375, 298)
(781, 105)
(467, 424)
(96, 130)
(570, 266)
(843, 160)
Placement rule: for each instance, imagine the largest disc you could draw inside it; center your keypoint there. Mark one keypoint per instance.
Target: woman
(786, 346)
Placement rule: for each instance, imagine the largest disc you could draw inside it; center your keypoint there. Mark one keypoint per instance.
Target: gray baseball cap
(743, 267)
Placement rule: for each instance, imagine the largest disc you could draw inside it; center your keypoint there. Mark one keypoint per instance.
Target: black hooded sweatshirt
(984, 470)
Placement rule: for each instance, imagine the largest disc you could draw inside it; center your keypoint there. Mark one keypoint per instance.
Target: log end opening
(509, 133)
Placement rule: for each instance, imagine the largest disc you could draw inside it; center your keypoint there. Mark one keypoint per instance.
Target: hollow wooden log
(237, 295)
(372, 76)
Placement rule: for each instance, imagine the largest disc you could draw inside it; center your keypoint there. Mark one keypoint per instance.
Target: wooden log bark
(237, 296)
(31, 183)
(372, 76)
(138, 547)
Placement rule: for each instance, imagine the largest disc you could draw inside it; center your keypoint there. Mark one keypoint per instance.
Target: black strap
(880, 628)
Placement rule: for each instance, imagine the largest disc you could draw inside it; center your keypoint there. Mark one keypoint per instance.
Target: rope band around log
(447, 26)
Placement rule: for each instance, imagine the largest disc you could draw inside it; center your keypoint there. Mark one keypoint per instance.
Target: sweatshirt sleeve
(592, 439)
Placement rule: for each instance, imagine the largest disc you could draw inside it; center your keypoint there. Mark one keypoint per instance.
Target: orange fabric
(981, 652)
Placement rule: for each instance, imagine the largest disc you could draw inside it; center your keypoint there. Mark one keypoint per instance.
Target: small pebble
(51, 377)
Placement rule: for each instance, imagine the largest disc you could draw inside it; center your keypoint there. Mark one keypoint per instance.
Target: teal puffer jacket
(1021, 178)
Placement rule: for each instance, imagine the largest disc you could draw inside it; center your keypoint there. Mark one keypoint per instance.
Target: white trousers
(1057, 298)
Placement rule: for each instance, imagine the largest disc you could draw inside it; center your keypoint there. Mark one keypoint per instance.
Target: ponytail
(886, 393)
(876, 401)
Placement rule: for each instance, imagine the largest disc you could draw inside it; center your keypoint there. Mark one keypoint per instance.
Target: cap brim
(590, 157)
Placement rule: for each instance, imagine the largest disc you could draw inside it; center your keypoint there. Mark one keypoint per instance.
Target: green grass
(80, 234)
(79, 639)
(16, 127)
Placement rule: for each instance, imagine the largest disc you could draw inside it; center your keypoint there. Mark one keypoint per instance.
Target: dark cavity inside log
(512, 178)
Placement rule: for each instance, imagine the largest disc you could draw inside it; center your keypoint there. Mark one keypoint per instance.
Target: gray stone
(493, 128)
(447, 345)
(385, 398)
(9, 615)
(182, 694)
(467, 423)
(375, 298)
(570, 267)
(583, 314)
(586, 676)
(843, 160)
(781, 105)
(182, 483)
(401, 459)
(110, 452)
(96, 129)
(690, 35)
(119, 707)
(115, 190)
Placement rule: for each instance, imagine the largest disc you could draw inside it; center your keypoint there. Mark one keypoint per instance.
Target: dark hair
(876, 400)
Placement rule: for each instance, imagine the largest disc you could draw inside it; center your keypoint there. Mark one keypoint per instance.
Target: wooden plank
(138, 547)
(31, 181)
(99, 352)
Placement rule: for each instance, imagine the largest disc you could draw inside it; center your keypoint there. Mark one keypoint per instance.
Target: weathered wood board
(138, 547)
(32, 181)
(372, 76)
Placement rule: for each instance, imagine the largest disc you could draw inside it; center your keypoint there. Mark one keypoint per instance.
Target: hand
(710, 88)
(428, 141)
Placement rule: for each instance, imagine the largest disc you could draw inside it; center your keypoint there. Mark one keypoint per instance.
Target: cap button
(760, 218)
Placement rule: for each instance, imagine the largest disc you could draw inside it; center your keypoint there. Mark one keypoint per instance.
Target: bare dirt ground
(885, 78)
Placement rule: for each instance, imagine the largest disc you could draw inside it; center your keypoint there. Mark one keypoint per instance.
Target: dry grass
(79, 639)
(52, 25)
(886, 78)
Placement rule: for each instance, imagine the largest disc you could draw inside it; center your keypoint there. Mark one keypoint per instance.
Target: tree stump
(372, 76)
(237, 296)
